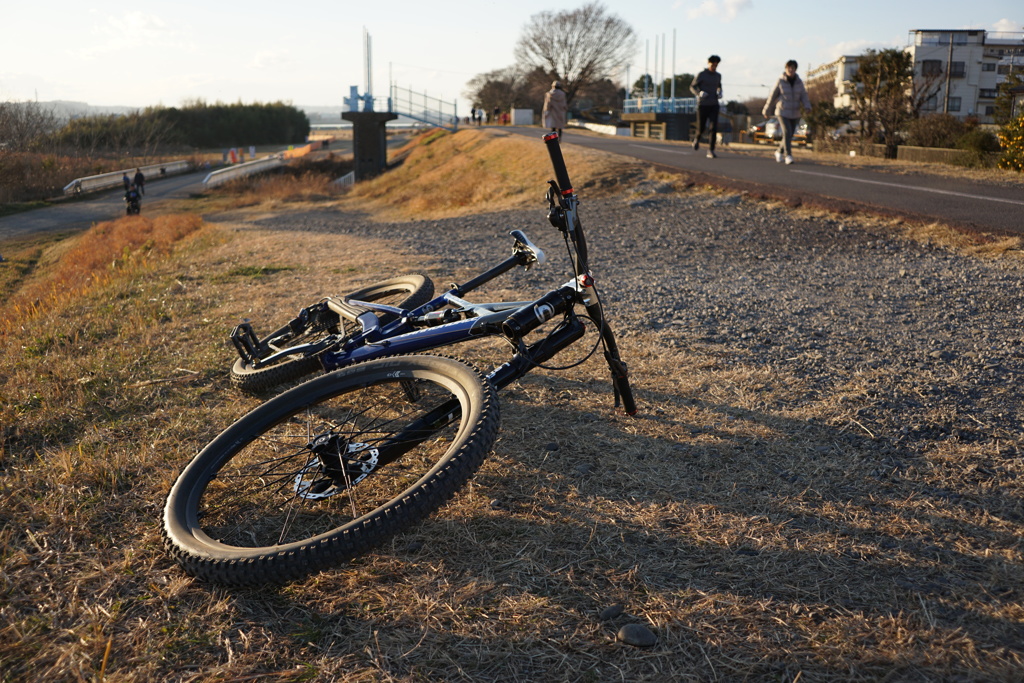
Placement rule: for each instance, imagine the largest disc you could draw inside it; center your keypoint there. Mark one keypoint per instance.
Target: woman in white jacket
(786, 99)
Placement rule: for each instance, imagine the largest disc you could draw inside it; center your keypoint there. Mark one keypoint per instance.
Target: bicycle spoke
(284, 479)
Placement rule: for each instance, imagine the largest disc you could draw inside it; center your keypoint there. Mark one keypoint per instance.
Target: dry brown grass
(70, 269)
(446, 175)
(745, 516)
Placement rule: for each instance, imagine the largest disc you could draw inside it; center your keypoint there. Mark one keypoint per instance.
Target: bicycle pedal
(246, 342)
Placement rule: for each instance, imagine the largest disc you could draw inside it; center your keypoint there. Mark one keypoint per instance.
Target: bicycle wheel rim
(265, 491)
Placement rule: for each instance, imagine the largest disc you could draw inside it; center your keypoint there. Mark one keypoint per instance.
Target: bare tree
(508, 88)
(580, 46)
(23, 124)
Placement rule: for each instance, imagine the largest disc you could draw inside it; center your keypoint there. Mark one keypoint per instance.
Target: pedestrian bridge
(410, 104)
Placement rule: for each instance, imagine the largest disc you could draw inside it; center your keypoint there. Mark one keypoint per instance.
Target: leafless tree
(887, 94)
(24, 123)
(579, 47)
(508, 88)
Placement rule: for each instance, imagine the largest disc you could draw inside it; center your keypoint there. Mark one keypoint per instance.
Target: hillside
(824, 482)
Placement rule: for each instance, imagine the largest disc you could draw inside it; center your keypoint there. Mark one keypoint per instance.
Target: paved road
(80, 213)
(956, 202)
(76, 214)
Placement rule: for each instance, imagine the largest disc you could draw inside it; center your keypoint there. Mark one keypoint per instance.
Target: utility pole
(949, 69)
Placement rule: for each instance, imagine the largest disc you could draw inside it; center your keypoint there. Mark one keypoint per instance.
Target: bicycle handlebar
(558, 163)
(620, 376)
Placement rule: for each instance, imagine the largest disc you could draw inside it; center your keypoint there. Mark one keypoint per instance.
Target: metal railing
(223, 175)
(420, 107)
(661, 105)
(105, 181)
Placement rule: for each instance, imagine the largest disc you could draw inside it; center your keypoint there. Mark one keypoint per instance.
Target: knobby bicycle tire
(330, 469)
(407, 291)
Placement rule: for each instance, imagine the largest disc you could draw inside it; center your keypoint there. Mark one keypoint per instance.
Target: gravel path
(935, 334)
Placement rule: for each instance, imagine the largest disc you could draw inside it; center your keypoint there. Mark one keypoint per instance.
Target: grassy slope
(107, 388)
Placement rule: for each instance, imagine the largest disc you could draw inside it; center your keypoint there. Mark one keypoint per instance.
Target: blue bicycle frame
(449, 319)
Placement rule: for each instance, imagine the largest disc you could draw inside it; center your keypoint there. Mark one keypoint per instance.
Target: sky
(310, 53)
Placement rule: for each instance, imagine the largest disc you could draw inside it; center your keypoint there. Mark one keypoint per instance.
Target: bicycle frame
(450, 319)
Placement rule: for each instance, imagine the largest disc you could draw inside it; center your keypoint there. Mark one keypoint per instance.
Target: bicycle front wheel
(408, 291)
(330, 469)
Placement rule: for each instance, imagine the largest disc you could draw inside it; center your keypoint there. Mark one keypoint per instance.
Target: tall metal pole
(368, 61)
(662, 81)
(647, 68)
(657, 83)
(673, 67)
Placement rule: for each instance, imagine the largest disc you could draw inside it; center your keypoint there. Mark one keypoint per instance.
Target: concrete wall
(599, 127)
(522, 117)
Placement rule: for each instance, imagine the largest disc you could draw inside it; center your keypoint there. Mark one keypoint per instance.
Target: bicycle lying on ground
(331, 468)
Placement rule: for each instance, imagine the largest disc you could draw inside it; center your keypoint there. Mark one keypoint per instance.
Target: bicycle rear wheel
(329, 469)
(407, 291)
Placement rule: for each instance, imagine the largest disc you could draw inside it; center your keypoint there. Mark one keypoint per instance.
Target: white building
(962, 69)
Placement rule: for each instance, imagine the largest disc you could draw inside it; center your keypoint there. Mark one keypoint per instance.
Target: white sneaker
(778, 156)
(789, 159)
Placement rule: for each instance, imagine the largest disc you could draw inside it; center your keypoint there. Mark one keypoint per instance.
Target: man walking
(707, 88)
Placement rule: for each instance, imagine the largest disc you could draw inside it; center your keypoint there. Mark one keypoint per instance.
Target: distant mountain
(321, 114)
(65, 109)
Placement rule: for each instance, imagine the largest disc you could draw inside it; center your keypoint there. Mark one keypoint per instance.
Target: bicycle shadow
(750, 542)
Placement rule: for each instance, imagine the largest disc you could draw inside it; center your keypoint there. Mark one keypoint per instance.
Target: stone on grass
(637, 635)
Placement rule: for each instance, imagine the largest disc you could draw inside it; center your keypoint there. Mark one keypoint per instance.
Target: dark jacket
(707, 87)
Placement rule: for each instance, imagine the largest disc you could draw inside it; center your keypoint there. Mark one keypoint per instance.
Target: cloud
(726, 10)
(854, 47)
(132, 31)
(270, 58)
(1008, 26)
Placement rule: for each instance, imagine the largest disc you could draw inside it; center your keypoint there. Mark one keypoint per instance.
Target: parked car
(770, 130)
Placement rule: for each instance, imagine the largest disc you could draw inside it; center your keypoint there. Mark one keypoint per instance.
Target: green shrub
(936, 130)
(1011, 137)
(978, 140)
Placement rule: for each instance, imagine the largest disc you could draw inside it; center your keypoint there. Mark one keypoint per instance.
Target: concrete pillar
(369, 141)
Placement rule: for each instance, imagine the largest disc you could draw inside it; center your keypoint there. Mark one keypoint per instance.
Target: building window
(988, 67)
(1003, 69)
(954, 104)
(987, 93)
(957, 69)
(990, 111)
(930, 104)
(931, 67)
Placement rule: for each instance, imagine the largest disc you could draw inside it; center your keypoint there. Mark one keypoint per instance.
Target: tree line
(30, 128)
(194, 125)
(40, 151)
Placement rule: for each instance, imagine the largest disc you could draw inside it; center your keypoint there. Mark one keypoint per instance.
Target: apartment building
(961, 69)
